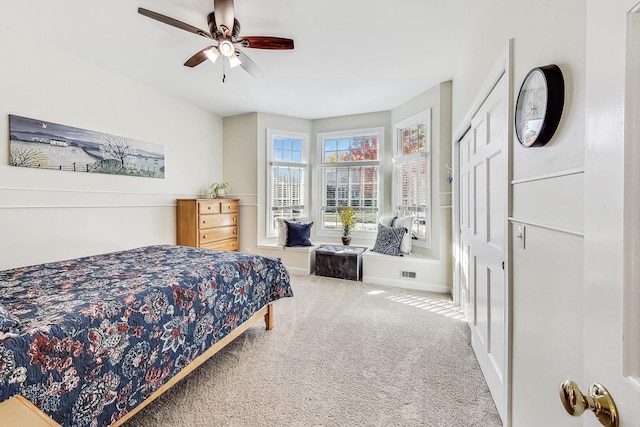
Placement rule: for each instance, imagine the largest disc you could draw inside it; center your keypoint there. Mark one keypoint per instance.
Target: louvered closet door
(483, 168)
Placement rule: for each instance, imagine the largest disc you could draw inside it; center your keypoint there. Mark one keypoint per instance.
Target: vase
(346, 240)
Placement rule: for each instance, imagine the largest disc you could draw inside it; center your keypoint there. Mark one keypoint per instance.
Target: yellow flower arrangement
(347, 216)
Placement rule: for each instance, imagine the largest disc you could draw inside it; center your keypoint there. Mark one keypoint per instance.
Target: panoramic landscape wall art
(45, 145)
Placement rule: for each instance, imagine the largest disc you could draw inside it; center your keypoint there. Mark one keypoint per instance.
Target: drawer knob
(234, 231)
(204, 237)
(234, 219)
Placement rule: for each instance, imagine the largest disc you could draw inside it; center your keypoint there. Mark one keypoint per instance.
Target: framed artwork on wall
(44, 145)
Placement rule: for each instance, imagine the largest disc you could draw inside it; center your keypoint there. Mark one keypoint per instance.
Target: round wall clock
(539, 105)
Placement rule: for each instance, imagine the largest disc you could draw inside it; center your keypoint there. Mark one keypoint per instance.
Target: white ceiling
(350, 56)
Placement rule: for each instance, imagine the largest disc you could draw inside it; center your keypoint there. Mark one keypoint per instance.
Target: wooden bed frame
(266, 311)
(20, 411)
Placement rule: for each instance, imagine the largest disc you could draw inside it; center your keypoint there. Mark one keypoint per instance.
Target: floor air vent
(407, 274)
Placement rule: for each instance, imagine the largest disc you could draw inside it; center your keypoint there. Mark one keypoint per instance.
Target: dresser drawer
(208, 206)
(225, 245)
(216, 234)
(221, 220)
(228, 207)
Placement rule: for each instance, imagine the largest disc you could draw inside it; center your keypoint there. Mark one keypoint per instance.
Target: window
(286, 177)
(349, 174)
(412, 175)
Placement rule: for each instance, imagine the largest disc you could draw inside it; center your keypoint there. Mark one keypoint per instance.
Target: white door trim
(631, 221)
(503, 67)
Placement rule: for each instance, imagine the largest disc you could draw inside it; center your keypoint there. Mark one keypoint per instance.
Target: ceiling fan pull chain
(224, 73)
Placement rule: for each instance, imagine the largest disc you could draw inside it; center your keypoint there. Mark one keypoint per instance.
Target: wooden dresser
(208, 223)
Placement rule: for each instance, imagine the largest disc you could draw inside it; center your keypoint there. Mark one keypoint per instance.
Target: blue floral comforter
(98, 335)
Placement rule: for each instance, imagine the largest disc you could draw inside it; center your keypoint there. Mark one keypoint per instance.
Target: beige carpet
(341, 354)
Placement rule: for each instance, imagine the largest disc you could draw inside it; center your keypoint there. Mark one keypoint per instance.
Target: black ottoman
(342, 262)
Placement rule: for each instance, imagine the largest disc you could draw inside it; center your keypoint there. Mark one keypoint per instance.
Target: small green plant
(347, 216)
(217, 189)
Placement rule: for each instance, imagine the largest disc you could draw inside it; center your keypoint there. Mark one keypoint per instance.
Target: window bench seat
(411, 271)
(300, 260)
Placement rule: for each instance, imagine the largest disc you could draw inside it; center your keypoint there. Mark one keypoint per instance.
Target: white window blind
(288, 192)
(411, 192)
(355, 186)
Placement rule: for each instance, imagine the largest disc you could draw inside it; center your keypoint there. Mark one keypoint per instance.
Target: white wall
(51, 215)
(547, 191)
(241, 171)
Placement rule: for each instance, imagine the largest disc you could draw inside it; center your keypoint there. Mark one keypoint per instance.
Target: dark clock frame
(555, 104)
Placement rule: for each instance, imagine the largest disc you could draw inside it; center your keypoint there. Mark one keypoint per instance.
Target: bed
(100, 337)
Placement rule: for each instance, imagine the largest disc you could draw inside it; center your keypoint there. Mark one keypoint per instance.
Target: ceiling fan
(224, 28)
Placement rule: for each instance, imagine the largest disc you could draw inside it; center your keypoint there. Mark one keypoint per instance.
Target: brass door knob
(598, 400)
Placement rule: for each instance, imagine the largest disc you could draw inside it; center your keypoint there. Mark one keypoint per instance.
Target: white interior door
(612, 206)
(483, 174)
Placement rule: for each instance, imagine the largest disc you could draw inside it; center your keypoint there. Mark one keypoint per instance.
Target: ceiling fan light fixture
(234, 61)
(226, 48)
(212, 54)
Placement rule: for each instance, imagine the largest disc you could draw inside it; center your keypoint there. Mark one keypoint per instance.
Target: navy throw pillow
(389, 239)
(298, 233)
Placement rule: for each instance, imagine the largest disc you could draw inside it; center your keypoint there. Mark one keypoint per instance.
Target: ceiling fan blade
(264, 42)
(202, 56)
(248, 65)
(173, 22)
(225, 16)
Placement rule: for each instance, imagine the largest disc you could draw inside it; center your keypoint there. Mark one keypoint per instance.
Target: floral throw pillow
(389, 239)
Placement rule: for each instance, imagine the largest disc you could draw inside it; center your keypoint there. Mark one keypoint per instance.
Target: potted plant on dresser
(347, 216)
(217, 190)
